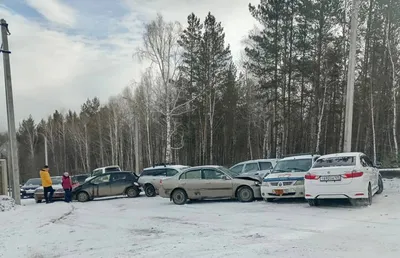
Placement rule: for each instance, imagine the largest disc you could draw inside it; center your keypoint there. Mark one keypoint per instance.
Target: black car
(108, 184)
(28, 189)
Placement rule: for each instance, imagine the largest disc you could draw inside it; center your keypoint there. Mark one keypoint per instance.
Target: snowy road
(157, 228)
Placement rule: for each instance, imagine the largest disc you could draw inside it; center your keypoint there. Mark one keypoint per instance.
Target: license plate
(279, 191)
(30, 191)
(330, 178)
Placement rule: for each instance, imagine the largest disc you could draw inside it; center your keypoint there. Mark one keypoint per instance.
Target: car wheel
(368, 201)
(83, 197)
(380, 184)
(38, 201)
(149, 190)
(245, 194)
(269, 199)
(132, 192)
(313, 202)
(179, 197)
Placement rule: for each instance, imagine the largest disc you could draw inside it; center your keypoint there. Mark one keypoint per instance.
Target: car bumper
(56, 196)
(354, 190)
(292, 191)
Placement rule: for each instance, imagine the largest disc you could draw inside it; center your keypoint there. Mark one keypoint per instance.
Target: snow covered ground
(154, 227)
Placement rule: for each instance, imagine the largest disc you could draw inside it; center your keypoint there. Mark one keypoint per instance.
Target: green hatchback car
(108, 184)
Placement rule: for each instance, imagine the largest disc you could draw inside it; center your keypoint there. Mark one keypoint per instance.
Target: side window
(212, 174)
(118, 177)
(97, 172)
(251, 167)
(363, 162)
(101, 179)
(194, 174)
(171, 172)
(160, 172)
(368, 161)
(237, 169)
(265, 165)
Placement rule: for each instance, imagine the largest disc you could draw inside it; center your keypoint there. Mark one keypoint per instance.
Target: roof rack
(163, 164)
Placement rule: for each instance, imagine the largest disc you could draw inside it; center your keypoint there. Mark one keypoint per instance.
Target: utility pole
(137, 163)
(4, 177)
(12, 136)
(348, 122)
(46, 157)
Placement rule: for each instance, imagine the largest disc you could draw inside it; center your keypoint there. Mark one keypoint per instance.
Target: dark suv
(108, 184)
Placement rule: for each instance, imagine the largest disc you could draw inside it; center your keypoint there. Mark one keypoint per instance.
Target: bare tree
(160, 47)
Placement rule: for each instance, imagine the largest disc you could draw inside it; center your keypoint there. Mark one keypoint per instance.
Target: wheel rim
(82, 197)
(245, 194)
(178, 196)
(131, 192)
(149, 190)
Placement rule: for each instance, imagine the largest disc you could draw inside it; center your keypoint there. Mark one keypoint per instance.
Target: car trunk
(332, 175)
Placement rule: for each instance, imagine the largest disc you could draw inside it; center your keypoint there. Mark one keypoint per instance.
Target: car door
(367, 169)
(215, 184)
(101, 186)
(119, 183)
(157, 175)
(374, 172)
(192, 183)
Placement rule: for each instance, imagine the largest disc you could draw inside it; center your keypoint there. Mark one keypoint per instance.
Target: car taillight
(353, 174)
(310, 176)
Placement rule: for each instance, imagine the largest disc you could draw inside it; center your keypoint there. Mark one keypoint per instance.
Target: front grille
(274, 183)
(281, 183)
(287, 183)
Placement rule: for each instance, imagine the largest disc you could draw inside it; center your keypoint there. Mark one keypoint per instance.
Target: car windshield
(229, 172)
(34, 181)
(335, 162)
(56, 180)
(293, 165)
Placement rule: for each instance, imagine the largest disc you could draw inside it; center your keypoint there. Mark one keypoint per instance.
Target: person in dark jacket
(67, 186)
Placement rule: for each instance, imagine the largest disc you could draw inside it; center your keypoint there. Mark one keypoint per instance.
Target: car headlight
(257, 183)
(136, 183)
(299, 182)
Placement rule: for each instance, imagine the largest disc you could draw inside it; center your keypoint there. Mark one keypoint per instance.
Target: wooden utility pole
(12, 136)
(3, 177)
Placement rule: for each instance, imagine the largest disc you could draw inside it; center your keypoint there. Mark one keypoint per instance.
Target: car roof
(112, 166)
(255, 160)
(166, 166)
(205, 166)
(344, 154)
(300, 157)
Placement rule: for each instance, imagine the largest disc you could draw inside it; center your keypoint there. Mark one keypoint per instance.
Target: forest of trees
(195, 105)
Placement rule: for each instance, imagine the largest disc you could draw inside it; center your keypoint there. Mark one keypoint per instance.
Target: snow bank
(6, 203)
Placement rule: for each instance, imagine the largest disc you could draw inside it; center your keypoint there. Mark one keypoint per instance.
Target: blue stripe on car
(282, 179)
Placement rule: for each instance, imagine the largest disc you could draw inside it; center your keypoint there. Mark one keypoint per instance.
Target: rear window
(112, 169)
(335, 162)
(266, 165)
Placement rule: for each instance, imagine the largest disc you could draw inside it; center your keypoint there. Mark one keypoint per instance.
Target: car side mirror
(224, 177)
(378, 165)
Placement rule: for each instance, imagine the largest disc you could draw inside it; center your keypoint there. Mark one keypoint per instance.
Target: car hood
(28, 187)
(249, 176)
(55, 187)
(285, 176)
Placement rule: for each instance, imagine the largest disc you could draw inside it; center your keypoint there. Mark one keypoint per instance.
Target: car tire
(132, 192)
(380, 184)
(245, 194)
(313, 202)
(149, 190)
(179, 197)
(38, 201)
(82, 197)
(269, 199)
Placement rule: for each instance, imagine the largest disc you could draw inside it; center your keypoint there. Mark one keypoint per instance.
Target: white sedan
(343, 176)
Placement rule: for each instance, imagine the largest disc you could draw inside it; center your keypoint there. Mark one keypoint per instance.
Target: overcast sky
(65, 51)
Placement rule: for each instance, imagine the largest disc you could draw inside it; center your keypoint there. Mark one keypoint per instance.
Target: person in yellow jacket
(47, 184)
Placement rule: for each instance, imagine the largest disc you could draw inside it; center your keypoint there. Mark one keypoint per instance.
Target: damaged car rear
(209, 183)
